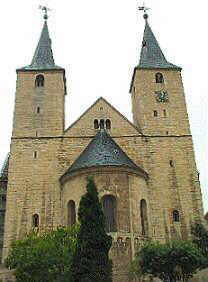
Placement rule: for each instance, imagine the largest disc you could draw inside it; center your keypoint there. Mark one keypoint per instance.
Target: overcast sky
(98, 43)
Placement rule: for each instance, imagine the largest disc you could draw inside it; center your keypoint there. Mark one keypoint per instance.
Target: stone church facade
(145, 171)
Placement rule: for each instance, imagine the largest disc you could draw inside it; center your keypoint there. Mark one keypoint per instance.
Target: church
(144, 170)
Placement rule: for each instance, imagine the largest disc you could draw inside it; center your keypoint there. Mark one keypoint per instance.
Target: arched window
(109, 209)
(96, 124)
(108, 124)
(71, 213)
(35, 220)
(176, 216)
(39, 81)
(171, 163)
(159, 78)
(164, 113)
(144, 219)
(102, 124)
(155, 113)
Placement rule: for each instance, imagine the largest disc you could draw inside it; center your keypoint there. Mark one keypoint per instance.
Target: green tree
(175, 261)
(91, 261)
(45, 257)
(200, 235)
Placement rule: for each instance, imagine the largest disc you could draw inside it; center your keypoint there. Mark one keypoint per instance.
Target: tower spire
(151, 54)
(43, 58)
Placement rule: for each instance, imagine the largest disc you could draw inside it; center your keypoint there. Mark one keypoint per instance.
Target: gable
(101, 110)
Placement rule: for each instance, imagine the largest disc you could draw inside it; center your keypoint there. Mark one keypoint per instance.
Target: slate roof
(43, 57)
(4, 169)
(151, 54)
(102, 151)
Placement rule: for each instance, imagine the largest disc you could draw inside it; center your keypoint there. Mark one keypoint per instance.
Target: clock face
(161, 96)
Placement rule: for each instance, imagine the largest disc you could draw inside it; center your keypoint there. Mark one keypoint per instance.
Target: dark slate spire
(43, 57)
(151, 54)
(103, 151)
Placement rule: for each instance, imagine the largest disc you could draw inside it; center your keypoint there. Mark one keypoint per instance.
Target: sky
(98, 43)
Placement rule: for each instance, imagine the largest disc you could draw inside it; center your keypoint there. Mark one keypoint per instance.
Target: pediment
(102, 110)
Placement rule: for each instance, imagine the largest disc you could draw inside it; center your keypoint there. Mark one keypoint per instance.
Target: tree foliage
(44, 258)
(200, 235)
(91, 261)
(176, 261)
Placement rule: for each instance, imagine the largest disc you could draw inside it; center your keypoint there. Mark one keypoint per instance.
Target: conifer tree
(91, 261)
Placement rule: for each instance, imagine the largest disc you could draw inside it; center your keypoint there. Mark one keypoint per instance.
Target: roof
(43, 57)
(151, 54)
(102, 151)
(5, 167)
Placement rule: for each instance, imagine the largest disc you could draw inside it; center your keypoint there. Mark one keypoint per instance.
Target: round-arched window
(176, 216)
(144, 218)
(71, 213)
(39, 81)
(159, 78)
(35, 220)
(109, 209)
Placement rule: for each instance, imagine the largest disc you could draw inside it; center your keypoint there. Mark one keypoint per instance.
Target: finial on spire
(45, 10)
(145, 9)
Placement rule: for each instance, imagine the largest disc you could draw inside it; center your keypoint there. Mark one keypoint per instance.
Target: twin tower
(145, 171)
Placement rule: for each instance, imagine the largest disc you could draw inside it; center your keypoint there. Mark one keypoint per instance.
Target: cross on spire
(45, 10)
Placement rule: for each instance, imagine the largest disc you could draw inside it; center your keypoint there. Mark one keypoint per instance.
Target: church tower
(159, 112)
(38, 125)
(41, 88)
(157, 92)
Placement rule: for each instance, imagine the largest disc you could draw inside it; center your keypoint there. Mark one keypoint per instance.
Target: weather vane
(145, 9)
(45, 10)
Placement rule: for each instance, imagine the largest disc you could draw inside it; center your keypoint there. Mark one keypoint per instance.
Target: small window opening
(164, 113)
(108, 124)
(38, 110)
(4, 198)
(159, 78)
(71, 213)
(144, 43)
(171, 163)
(36, 134)
(198, 175)
(35, 220)
(96, 124)
(144, 218)
(167, 132)
(101, 108)
(39, 81)
(35, 154)
(102, 124)
(176, 216)
(155, 113)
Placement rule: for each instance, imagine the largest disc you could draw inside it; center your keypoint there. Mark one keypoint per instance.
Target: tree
(200, 235)
(176, 261)
(91, 261)
(45, 257)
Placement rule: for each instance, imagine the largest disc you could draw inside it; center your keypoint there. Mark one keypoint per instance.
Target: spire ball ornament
(145, 16)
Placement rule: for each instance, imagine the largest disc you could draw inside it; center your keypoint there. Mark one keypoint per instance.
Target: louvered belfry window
(71, 213)
(109, 208)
